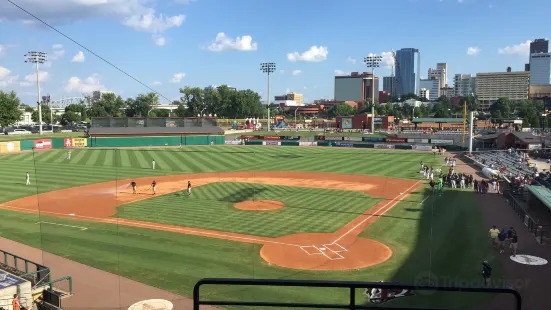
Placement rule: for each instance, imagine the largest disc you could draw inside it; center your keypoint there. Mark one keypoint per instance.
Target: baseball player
(440, 185)
(189, 188)
(69, 155)
(133, 184)
(28, 179)
(153, 187)
(153, 164)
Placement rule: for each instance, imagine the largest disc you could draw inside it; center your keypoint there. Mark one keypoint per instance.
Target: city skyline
(192, 45)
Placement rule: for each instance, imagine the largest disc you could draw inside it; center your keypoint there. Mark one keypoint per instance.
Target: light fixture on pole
(37, 58)
(268, 67)
(372, 61)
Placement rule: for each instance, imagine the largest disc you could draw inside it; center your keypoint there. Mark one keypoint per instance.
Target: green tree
(9, 109)
(342, 109)
(159, 113)
(192, 97)
(141, 105)
(69, 118)
(79, 109)
(108, 105)
(46, 117)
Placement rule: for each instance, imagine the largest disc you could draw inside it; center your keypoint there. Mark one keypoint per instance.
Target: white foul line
(374, 214)
(424, 200)
(79, 227)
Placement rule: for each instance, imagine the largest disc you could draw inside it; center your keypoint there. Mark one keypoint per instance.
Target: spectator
(494, 233)
(514, 244)
(15, 303)
(486, 272)
(502, 237)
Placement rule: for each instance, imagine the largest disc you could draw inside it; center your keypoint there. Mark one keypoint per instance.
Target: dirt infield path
(531, 281)
(330, 251)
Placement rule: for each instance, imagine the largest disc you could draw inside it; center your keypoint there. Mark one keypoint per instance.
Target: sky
(168, 44)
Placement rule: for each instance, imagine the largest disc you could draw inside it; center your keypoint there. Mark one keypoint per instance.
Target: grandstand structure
(508, 165)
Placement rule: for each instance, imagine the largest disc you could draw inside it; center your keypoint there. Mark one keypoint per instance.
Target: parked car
(19, 132)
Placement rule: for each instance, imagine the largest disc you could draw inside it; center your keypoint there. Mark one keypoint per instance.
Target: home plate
(71, 214)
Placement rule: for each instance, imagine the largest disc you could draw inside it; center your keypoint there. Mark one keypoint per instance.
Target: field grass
(45, 135)
(211, 207)
(445, 232)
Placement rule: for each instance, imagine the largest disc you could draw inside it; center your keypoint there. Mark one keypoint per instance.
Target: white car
(19, 132)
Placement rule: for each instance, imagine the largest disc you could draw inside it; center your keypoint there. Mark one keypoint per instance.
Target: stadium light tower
(37, 58)
(373, 62)
(268, 67)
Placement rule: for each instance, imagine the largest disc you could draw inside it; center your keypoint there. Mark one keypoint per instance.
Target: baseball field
(253, 212)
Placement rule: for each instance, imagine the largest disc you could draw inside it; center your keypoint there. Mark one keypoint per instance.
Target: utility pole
(37, 58)
(268, 67)
(372, 62)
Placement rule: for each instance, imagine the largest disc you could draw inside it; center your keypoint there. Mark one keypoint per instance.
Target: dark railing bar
(302, 305)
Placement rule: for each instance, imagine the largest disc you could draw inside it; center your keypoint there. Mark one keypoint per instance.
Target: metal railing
(352, 286)
(50, 284)
(540, 232)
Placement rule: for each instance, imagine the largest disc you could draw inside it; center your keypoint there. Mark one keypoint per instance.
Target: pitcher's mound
(259, 205)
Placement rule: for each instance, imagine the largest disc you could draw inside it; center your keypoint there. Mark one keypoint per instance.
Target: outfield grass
(211, 207)
(45, 135)
(447, 229)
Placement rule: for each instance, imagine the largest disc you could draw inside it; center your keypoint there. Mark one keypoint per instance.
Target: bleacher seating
(431, 132)
(508, 165)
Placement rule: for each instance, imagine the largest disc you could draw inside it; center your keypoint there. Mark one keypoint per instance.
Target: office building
(290, 99)
(493, 85)
(389, 84)
(447, 92)
(432, 86)
(424, 93)
(464, 85)
(541, 92)
(440, 73)
(405, 71)
(537, 46)
(540, 69)
(356, 87)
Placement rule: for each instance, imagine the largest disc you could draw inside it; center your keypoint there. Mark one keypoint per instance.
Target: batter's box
(335, 247)
(310, 250)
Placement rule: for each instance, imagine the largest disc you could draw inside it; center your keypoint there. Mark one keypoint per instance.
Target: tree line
(222, 101)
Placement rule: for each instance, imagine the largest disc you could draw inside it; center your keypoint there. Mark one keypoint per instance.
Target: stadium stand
(511, 164)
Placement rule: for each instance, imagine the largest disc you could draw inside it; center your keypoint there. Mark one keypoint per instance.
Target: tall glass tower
(406, 67)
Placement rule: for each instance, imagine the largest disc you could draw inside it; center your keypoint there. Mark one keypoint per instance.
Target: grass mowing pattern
(211, 207)
(175, 262)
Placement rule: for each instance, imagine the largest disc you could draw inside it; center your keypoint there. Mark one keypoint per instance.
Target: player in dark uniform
(153, 186)
(189, 188)
(432, 184)
(133, 184)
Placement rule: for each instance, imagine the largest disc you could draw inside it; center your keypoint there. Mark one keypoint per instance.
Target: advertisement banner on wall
(395, 140)
(344, 144)
(308, 143)
(442, 142)
(271, 137)
(244, 137)
(384, 146)
(291, 138)
(418, 140)
(76, 142)
(10, 147)
(346, 123)
(333, 138)
(43, 144)
(271, 142)
(352, 138)
(369, 139)
(233, 142)
(421, 147)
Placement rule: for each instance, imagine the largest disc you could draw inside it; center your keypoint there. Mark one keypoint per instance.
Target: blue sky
(168, 44)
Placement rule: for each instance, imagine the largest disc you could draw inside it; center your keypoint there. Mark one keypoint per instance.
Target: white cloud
(2, 49)
(473, 51)
(88, 85)
(79, 57)
(31, 78)
(159, 40)
(137, 14)
(225, 43)
(297, 72)
(313, 54)
(351, 60)
(340, 72)
(156, 83)
(5, 78)
(522, 49)
(57, 46)
(177, 77)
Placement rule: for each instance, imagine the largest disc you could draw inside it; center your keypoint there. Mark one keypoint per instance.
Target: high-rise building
(539, 46)
(440, 73)
(464, 85)
(447, 92)
(389, 84)
(493, 85)
(540, 69)
(424, 93)
(405, 59)
(432, 86)
(356, 87)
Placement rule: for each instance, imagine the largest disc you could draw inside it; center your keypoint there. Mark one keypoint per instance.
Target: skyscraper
(540, 69)
(405, 59)
(539, 46)
(440, 73)
(388, 84)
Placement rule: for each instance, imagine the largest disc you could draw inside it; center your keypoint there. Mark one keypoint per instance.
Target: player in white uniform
(153, 164)
(69, 155)
(28, 179)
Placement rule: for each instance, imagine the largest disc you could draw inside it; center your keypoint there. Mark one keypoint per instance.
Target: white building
(494, 85)
(433, 86)
(440, 73)
(424, 93)
(464, 85)
(540, 69)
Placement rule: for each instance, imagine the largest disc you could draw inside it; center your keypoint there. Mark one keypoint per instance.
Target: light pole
(37, 58)
(372, 62)
(51, 112)
(296, 118)
(268, 67)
